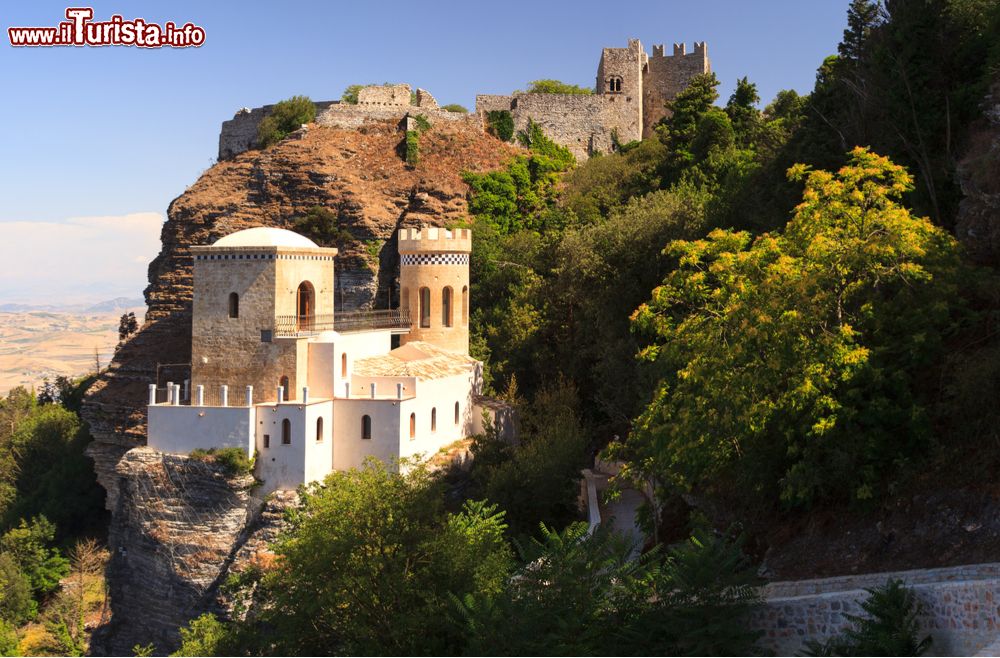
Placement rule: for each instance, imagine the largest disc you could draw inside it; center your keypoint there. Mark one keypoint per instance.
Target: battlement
(434, 240)
(680, 50)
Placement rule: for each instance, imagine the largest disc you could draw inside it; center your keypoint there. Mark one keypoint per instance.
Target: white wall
(442, 395)
(325, 352)
(181, 429)
(285, 466)
(349, 449)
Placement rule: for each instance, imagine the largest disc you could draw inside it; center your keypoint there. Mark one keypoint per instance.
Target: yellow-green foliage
(789, 358)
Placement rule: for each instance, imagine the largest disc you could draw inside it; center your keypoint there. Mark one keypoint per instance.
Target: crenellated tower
(434, 285)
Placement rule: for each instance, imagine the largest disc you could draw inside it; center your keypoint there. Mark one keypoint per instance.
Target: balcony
(293, 326)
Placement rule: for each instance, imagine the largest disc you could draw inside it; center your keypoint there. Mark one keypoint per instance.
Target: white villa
(274, 371)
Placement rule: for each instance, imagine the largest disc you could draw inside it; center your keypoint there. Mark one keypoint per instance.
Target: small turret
(434, 285)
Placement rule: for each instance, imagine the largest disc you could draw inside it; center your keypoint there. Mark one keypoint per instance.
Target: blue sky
(99, 138)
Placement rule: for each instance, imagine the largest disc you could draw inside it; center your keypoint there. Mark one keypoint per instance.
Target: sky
(96, 142)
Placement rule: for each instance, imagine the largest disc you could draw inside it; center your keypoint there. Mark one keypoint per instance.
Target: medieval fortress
(630, 92)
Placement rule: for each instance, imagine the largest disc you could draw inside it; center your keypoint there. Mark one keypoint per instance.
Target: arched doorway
(305, 304)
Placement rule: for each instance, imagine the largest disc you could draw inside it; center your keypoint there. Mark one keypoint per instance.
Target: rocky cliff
(175, 526)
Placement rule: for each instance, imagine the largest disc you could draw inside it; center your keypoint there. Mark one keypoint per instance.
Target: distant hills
(107, 306)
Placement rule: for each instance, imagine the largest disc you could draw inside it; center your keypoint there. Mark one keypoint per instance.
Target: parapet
(434, 240)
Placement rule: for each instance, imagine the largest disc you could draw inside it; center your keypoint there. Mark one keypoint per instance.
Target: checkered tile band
(434, 259)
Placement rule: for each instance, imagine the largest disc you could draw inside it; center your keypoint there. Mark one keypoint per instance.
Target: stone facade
(631, 91)
(266, 281)
(961, 608)
(436, 260)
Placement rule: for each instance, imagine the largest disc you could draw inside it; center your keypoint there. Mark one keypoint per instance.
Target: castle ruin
(630, 95)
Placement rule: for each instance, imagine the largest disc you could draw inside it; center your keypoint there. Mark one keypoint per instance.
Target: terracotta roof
(416, 359)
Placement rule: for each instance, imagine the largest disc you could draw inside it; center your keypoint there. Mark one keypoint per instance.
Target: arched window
(614, 84)
(446, 306)
(343, 364)
(434, 419)
(366, 427)
(425, 307)
(465, 304)
(234, 305)
(413, 426)
(286, 432)
(456, 413)
(319, 429)
(305, 304)
(284, 388)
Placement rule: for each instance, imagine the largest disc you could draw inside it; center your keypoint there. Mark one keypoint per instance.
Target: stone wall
(961, 608)
(666, 76)
(239, 134)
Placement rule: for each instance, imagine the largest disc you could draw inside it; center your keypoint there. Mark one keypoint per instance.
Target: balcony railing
(306, 325)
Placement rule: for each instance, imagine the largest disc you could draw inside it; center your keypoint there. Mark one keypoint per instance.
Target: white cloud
(77, 260)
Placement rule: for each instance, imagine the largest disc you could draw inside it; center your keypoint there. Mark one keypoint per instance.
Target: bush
(234, 460)
(285, 118)
(500, 124)
(350, 95)
(322, 225)
(889, 629)
(411, 148)
(423, 124)
(455, 107)
(557, 87)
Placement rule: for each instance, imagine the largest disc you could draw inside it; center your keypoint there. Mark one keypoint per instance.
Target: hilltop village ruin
(631, 89)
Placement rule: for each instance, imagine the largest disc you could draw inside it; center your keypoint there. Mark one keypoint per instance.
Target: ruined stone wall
(398, 95)
(666, 76)
(239, 134)
(960, 608)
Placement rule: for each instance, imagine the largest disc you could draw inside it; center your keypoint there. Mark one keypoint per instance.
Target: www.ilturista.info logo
(81, 30)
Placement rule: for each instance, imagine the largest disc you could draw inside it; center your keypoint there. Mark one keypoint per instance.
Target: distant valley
(39, 342)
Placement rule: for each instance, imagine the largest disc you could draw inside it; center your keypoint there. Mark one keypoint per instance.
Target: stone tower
(434, 285)
(258, 295)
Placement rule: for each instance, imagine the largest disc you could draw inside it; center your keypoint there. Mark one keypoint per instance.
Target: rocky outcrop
(178, 526)
(978, 221)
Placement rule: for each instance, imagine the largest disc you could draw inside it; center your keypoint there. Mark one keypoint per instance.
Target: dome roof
(264, 236)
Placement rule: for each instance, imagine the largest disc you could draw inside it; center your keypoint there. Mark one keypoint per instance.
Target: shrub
(234, 460)
(350, 95)
(411, 148)
(455, 107)
(889, 629)
(323, 225)
(557, 87)
(286, 117)
(423, 124)
(500, 124)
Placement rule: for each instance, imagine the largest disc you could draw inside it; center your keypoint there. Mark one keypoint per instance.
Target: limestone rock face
(175, 541)
(978, 222)
(180, 526)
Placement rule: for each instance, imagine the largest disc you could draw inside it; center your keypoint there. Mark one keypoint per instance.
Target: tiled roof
(416, 359)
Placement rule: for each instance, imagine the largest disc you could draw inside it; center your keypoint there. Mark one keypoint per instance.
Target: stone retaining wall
(961, 608)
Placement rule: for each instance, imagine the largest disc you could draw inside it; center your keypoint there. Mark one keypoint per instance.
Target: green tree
(203, 636)
(127, 325)
(825, 327)
(323, 225)
(548, 86)
(369, 562)
(29, 546)
(17, 605)
(284, 118)
(350, 95)
(500, 123)
(455, 107)
(742, 110)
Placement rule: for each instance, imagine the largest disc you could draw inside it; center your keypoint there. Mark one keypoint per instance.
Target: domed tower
(434, 285)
